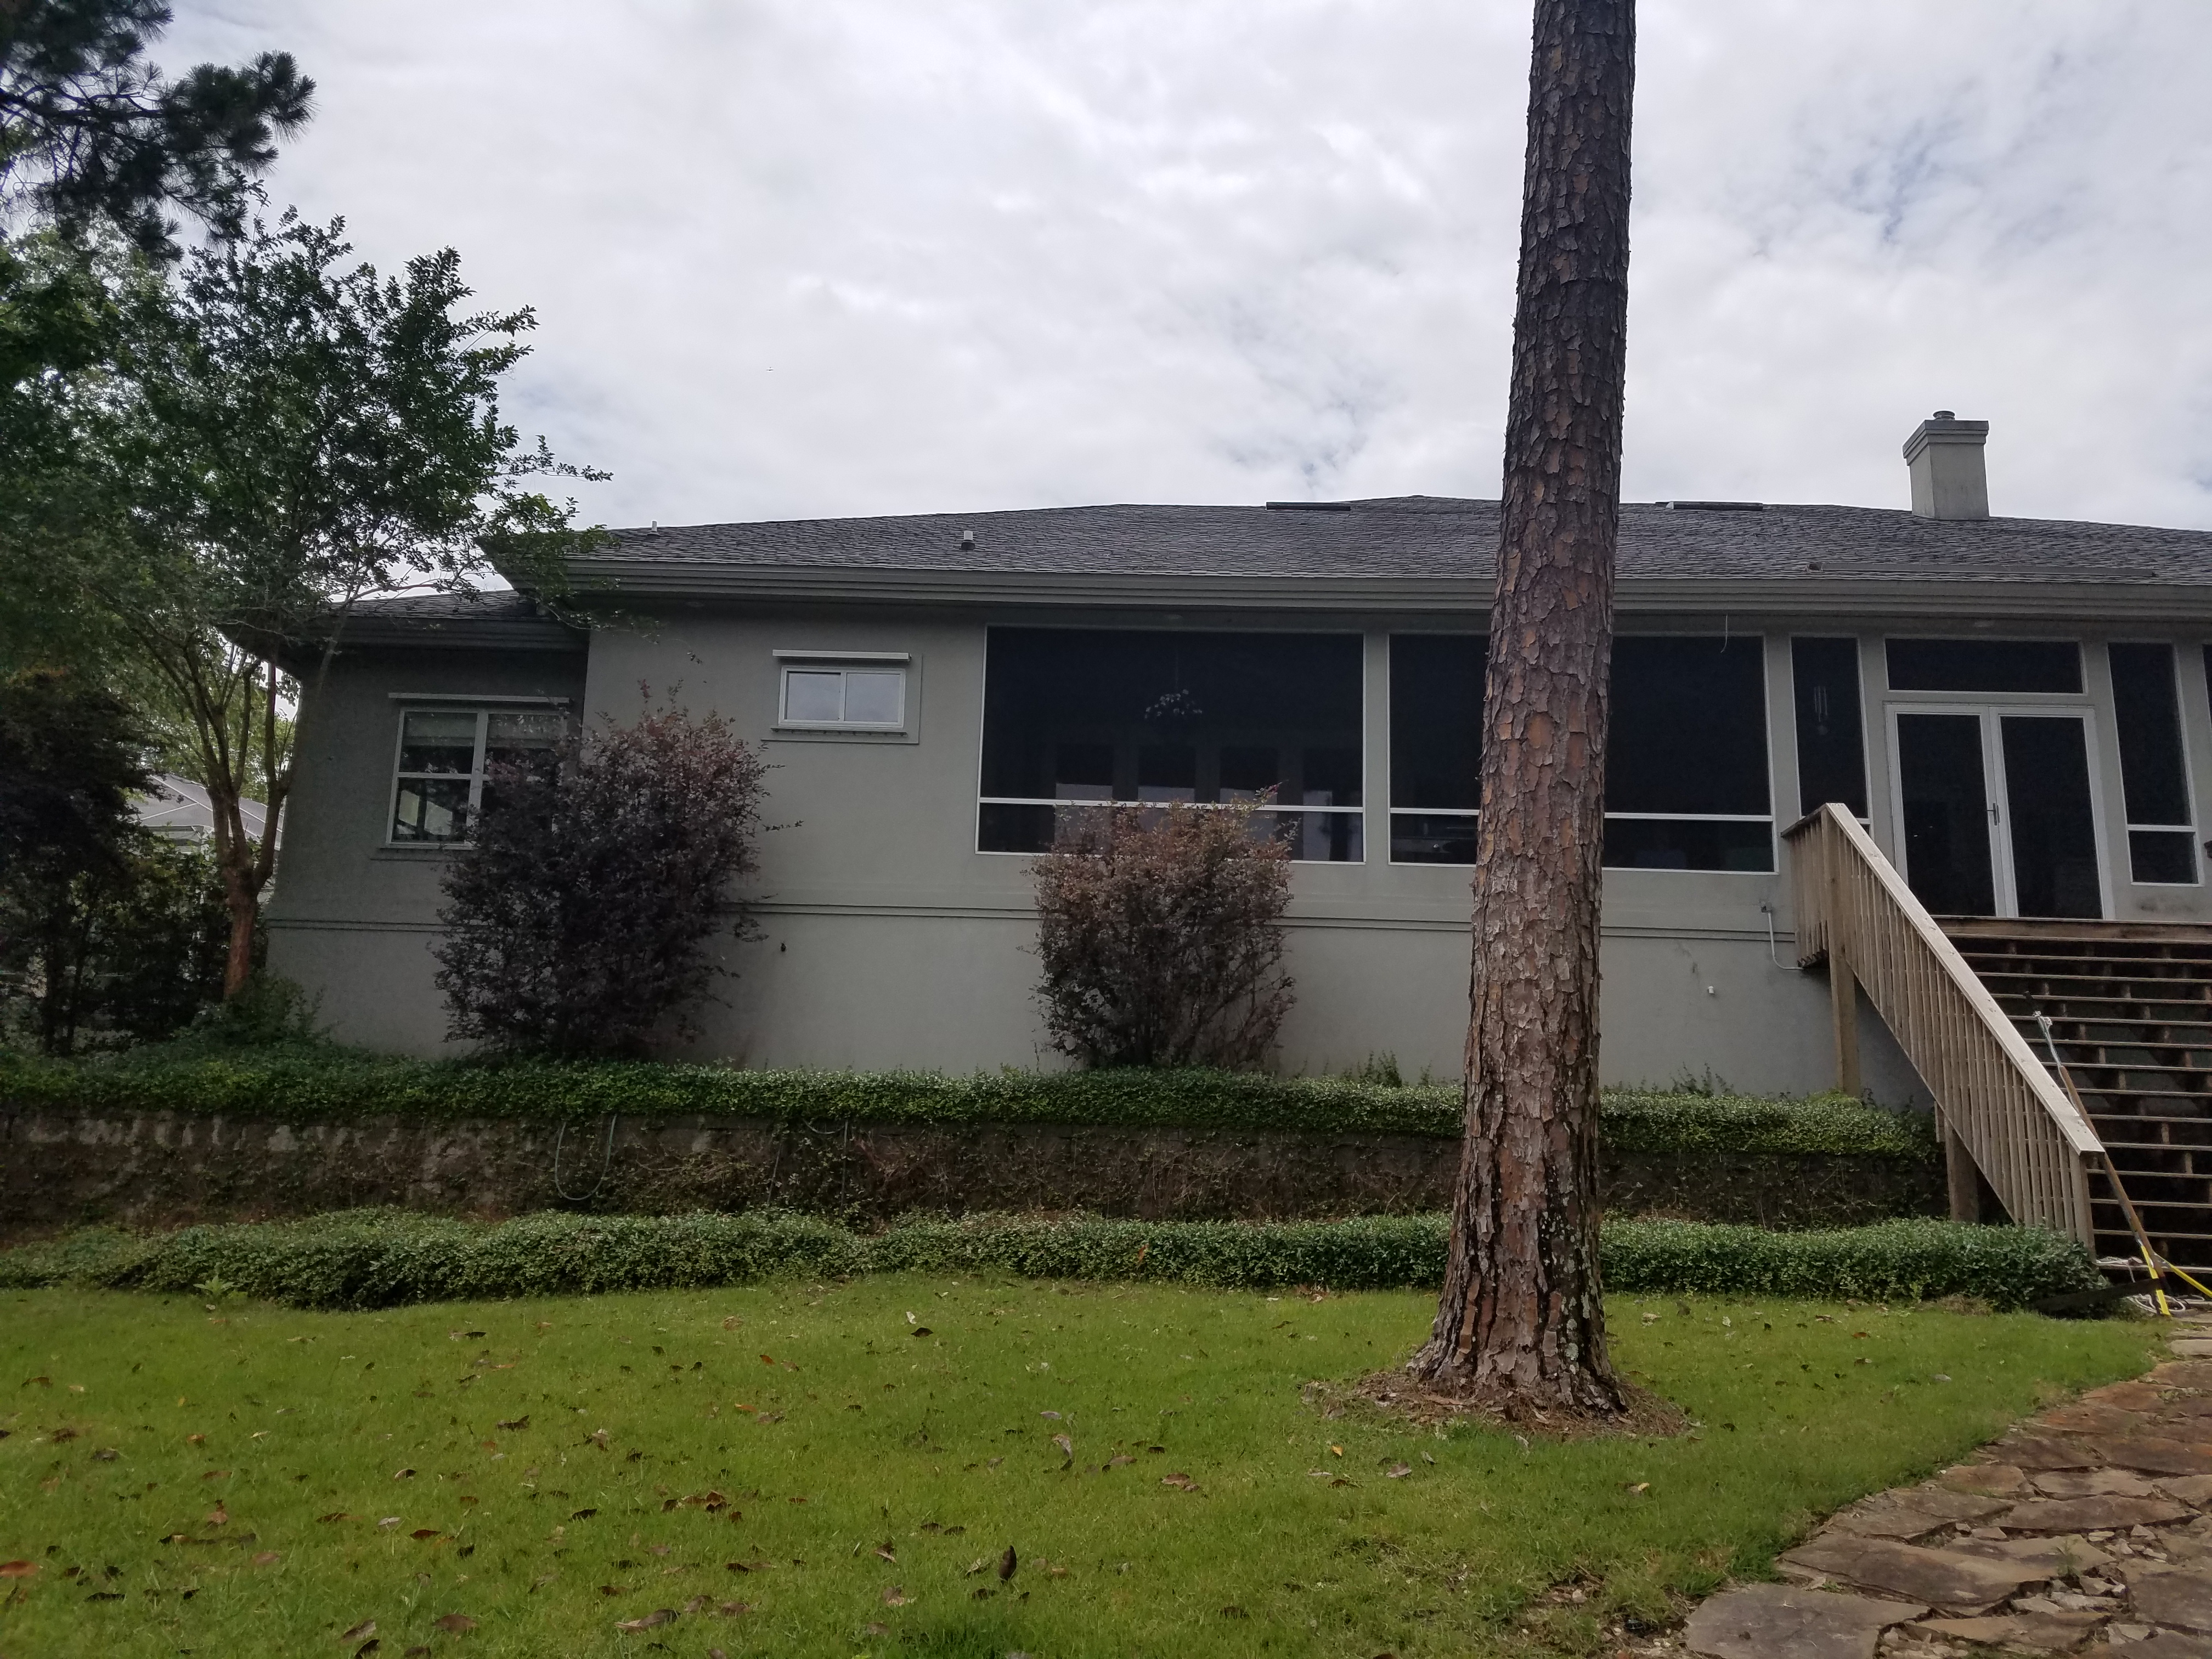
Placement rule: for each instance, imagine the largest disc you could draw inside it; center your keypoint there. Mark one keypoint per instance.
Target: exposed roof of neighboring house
(1417, 549)
(499, 620)
(178, 807)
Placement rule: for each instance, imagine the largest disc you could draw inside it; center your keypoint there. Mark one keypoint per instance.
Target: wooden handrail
(1854, 911)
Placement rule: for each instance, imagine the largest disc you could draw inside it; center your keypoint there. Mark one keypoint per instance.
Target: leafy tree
(101, 925)
(282, 436)
(1160, 937)
(90, 131)
(1520, 1323)
(577, 919)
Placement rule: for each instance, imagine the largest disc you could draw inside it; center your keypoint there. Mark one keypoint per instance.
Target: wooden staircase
(2130, 1009)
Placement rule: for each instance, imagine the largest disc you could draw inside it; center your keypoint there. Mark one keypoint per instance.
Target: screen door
(1995, 811)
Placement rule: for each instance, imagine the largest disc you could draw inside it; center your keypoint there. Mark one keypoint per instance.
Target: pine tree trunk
(1520, 1325)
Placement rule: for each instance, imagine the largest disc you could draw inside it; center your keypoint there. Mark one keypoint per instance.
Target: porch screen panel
(2153, 775)
(1830, 736)
(1435, 746)
(1077, 716)
(1687, 783)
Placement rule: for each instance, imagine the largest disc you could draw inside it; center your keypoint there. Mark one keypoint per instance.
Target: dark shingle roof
(1419, 536)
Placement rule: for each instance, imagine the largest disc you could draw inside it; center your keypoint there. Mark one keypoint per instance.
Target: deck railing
(1992, 1096)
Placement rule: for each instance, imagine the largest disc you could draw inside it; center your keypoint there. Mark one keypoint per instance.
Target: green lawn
(262, 1480)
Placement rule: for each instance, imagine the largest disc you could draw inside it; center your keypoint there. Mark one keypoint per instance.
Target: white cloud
(827, 257)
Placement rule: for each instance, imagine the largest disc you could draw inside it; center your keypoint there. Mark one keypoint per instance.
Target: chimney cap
(1944, 456)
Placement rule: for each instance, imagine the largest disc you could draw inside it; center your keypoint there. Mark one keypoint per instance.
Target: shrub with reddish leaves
(1159, 930)
(579, 917)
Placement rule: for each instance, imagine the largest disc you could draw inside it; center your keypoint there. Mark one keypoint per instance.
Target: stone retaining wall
(152, 1169)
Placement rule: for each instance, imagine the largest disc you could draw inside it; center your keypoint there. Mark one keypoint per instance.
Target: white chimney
(1948, 478)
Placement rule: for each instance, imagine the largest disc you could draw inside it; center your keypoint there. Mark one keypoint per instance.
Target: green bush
(309, 1083)
(383, 1258)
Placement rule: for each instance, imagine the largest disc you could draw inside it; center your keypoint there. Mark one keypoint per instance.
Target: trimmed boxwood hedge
(321, 1084)
(383, 1258)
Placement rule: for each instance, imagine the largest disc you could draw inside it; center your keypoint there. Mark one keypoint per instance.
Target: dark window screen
(1831, 742)
(1985, 666)
(2148, 710)
(1689, 726)
(1436, 719)
(2154, 777)
(1095, 714)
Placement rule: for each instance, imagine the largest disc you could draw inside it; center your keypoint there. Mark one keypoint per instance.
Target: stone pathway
(2088, 1528)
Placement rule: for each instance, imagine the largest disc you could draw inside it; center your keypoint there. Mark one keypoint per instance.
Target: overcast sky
(818, 258)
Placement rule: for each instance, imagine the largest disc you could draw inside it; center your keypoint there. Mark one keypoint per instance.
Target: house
(176, 809)
(2014, 710)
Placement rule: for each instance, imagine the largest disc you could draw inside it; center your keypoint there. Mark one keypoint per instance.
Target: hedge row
(320, 1084)
(383, 1258)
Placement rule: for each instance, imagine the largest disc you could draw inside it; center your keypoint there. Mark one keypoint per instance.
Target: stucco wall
(888, 940)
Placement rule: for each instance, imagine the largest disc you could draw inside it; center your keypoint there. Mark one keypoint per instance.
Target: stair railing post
(1842, 986)
(1960, 1177)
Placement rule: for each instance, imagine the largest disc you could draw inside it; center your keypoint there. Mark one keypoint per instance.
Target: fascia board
(648, 580)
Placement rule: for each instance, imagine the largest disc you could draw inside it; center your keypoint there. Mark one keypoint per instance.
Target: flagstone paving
(2086, 1530)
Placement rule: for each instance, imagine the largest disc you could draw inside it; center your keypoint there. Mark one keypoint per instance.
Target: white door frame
(1995, 787)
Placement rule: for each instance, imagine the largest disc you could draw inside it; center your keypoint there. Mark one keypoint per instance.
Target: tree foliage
(1160, 939)
(279, 434)
(580, 916)
(92, 132)
(105, 930)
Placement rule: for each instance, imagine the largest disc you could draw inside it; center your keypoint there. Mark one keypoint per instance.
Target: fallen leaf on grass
(921, 1330)
(367, 1648)
(218, 1516)
(696, 1602)
(1336, 1451)
(896, 1597)
(1007, 1563)
(516, 1424)
(267, 1559)
(885, 1550)
(1064, 1444)
(542, 1581)
(426, 1532)
(453, 1624)
(18, 1568)
(367, 1627)
(731, 1609)
(614, 1589)
(1399, 1471)
(1180, 1481)
(388, 1521)
(404, 1474)
(583, 1515)
(653, 1621)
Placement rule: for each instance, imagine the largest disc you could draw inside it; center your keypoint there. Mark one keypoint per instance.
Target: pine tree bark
(1520, 1325)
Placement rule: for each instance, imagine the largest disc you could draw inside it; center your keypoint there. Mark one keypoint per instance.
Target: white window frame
(842, 662)
(482, 708)
(2188, 776)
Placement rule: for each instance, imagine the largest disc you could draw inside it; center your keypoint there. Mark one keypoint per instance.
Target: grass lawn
(838, 1469)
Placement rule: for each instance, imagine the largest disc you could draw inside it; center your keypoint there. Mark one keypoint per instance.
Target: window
(1686, 785)
(1685, 777)
(2154, 776)
(448, 756)
(822, 694)
(1435, 746)
(1075, 715)
(1831, 739)
(2046, 666)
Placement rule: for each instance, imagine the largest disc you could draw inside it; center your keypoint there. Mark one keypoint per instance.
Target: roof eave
(645, 582)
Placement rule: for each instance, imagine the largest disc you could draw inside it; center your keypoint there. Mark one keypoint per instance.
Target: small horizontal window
(871, 699)
(2043, 666)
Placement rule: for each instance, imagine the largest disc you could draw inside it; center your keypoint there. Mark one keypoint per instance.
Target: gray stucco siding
(888, 939)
